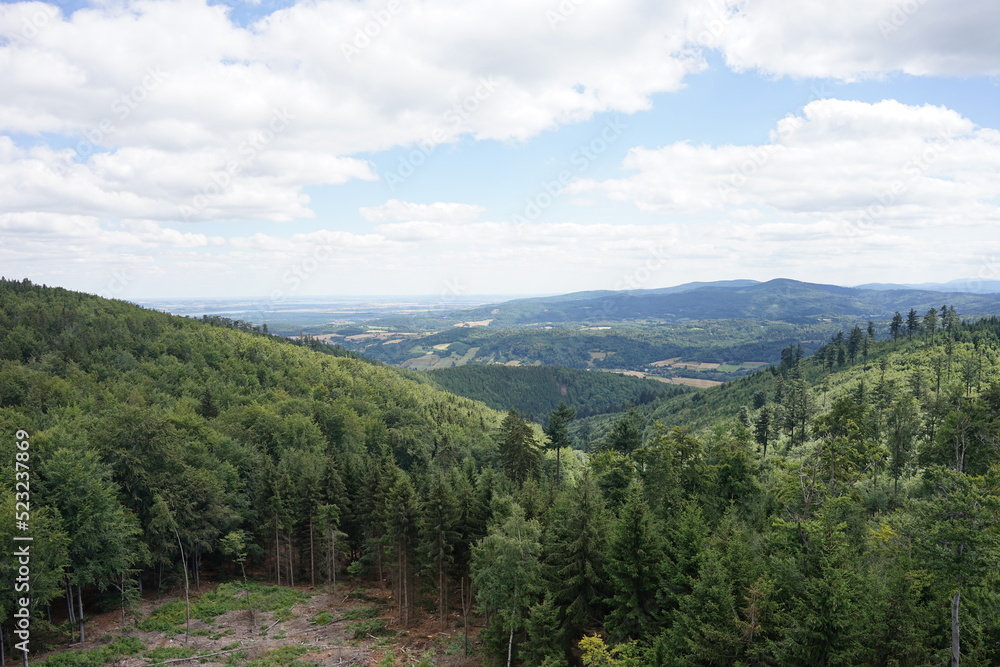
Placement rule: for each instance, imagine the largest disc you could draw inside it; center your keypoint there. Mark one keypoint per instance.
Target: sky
(275, 149)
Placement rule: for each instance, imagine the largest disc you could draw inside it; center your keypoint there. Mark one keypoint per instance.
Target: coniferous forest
(841, 508)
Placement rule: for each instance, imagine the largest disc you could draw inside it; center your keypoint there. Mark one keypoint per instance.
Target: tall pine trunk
(277, 551)
(312, 555)
(956, 648)
(79, 602)
(70, 613)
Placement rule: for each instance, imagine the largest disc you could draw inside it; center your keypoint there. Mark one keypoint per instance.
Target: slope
(537, 390)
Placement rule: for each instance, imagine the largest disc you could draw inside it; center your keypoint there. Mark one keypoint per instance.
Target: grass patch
(96, 657)
(286, 656)
(322, 618)
(360, 613)
(362, 629)
(168, 617)
(162, 653)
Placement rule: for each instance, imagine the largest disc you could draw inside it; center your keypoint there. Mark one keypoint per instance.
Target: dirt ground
(329, 644)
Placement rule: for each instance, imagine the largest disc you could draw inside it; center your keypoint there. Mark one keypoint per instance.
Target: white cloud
(438, 211)
(909, 164)
(852, 39)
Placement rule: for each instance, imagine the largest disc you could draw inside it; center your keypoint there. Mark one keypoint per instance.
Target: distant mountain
(775, 300)
(967, 285)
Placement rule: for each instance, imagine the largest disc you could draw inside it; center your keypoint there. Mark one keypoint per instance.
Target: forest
(837, 508)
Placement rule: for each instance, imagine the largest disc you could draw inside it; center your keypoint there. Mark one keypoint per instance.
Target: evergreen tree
(626, 434)
(635, 568)
(520, 457)
(762, 430)
(506, 572)
(931, 323)
(558, 435)
(402, 525)
(439, 535)
(912, 322)
(896, 326)
(576, 546)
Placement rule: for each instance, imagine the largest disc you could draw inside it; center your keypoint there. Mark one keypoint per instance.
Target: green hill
(537, 390)
(838, 508)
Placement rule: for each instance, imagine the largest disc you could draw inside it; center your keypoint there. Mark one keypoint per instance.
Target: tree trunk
(312, 556)
(70, 614)
(187, 589)
(465, 612)
(956, 649)
(510, 646)
(558, 467)
(197, 568)
(79, 602)
(442, 594)
(333, 559)
(277, 552)
(291, 560)
(123, 601)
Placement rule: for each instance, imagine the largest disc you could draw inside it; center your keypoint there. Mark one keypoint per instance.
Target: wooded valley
(836, 508)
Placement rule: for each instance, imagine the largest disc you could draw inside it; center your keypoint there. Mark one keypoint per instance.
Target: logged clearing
(354, 626)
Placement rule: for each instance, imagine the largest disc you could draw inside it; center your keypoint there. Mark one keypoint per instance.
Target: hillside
(537, 390)
(838, 508)
(724, 323)
(154, 439)
(775, 300)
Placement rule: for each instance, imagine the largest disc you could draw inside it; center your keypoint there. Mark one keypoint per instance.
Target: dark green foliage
(539, 390)
(835, 509)
(635, 570)
(518, 451)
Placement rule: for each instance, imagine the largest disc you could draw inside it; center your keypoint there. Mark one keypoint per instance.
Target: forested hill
(538, 390)
(147, 429)
(841, 509)
(780, 299)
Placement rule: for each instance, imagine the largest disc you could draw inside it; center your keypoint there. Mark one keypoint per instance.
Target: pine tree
(762, 430)
(402, 524)
(439, 535)
(931, 323)
(520, 457)
(576, 545)
(896, 326)
(506, 572)
(557, 433)
(626, 434)
(635, 563)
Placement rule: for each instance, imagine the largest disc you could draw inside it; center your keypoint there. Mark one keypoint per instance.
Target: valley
(556, 515)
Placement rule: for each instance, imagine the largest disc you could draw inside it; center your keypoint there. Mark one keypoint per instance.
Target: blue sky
(178, 148)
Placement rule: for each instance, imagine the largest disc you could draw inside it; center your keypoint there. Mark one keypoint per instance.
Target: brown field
(692, 382)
